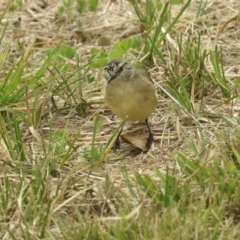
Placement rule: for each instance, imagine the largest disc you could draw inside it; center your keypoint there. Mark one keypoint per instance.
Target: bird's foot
(149, 141)
(116, 145)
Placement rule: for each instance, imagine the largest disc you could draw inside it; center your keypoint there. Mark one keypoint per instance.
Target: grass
(60, 180)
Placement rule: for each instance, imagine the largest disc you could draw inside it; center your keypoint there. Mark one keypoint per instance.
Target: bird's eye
(120, 69)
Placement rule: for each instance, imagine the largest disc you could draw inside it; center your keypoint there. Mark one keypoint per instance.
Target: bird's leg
(150, 136)
(116, 144)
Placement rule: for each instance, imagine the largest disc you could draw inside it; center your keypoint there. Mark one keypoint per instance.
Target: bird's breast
(132, 99)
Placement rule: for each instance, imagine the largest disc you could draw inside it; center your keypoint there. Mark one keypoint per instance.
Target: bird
(130, 94)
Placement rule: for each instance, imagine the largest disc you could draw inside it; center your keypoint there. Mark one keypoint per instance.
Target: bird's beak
(110, 78)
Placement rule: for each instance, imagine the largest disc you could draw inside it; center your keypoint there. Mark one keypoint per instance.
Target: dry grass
(39, 22)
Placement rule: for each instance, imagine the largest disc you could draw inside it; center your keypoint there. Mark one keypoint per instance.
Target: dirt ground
(40, 21)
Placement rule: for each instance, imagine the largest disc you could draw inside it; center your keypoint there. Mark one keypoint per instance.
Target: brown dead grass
(40, 21)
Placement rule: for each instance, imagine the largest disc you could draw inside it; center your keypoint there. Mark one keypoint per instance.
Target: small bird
(130, 94)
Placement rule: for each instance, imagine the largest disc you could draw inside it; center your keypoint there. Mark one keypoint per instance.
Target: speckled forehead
(112, 66)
